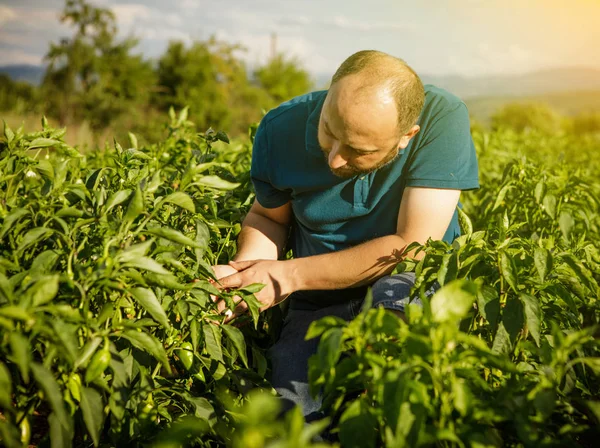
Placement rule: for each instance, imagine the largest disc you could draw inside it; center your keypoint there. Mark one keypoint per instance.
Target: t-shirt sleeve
(267, 195)
(445, 156)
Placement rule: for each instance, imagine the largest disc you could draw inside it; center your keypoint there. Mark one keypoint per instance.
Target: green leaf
(566, 224)
(580, 271)
(540, 191)
(174, 235)
(44, 143)
(222, 136)
(202, 238)
(501, 195)
(253, 288)
(147, 264)
(87, 351)
(488, 304)
(11, 219)
(449, 268)
(52, 393)
(15, 312)
(133, 142)
(134, 252)
(60, 436)
(465, 222)
(8, 133)
(216, 182)
(254, 307)
(501, 342)
(543, 262)
(148, 343)
(329, 349)
(358, 426)
(45, 290)
(115, 199)
(533, 315)
(93, 412)
(44, 263)
(34, 236)
(147, 299)
(549, 205)
(592, 363)
(5, 387)
(509, 270)
(182, 200)
(19, 346)
(320, 326)
(183, 428)
(135, 207)
(453, 301)
(510, 327)
(212, 341)
(462, 396)
(237, 338)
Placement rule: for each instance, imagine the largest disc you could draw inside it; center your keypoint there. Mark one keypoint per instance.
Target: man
(349, 177)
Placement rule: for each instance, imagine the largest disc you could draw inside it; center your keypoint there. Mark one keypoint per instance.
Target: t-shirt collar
(312, 128)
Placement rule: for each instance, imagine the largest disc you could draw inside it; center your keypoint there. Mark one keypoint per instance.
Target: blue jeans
(289, 355)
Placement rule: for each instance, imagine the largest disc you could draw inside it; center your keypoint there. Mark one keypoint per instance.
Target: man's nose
(336, 158)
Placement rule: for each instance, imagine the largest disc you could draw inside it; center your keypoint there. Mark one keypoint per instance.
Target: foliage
(209, 78)
(507, 352)
(107, 332)
(522, 117)
(17, 96)
(283, 79)
(92, 76)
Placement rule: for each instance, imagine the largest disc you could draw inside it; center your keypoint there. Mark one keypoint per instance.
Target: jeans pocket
(355, 305)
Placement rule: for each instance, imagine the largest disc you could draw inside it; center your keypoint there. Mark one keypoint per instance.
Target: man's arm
(264, 233)
(424, 213)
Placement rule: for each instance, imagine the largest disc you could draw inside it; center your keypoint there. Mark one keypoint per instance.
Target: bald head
(389, 79)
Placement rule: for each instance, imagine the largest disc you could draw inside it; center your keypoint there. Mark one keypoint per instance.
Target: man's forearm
(356, 266)
(260, 239)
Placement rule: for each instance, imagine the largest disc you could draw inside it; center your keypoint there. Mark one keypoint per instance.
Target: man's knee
(393, 287)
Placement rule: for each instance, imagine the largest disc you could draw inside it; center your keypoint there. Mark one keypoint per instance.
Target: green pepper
(25, 428)
(185, 352)
(98, 364)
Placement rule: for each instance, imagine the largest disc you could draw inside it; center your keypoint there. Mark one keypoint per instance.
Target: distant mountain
(526, 84)
(566, 103)
(32, 74)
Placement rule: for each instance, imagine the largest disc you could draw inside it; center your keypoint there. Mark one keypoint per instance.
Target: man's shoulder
(295, 111)
(439, 100)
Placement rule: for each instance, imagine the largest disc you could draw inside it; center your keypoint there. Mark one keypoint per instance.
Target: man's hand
(275, 275)
(223, 270)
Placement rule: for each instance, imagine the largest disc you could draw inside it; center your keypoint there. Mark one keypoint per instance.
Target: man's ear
(410, 134)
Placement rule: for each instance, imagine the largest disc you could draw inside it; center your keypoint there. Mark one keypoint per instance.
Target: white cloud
(128, 15)
(133, 16)
(9, 57)
(6, 14)
(491, 59)
(258, 47)
(357, 25)
(189, 4)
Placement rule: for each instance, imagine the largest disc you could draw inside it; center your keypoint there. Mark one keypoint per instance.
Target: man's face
(358, 128)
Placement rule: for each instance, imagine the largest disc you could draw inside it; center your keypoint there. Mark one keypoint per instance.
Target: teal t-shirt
(331, 213)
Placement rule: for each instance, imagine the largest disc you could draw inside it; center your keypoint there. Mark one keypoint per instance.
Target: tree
(91, 76)
(212, 81)
(522, 117)
(283, 79)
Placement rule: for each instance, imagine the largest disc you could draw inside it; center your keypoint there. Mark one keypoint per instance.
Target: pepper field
(108, 336)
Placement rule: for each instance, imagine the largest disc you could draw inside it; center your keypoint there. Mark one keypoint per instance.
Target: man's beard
(348, 172)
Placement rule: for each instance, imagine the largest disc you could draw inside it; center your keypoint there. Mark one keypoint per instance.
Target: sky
(435, 37)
